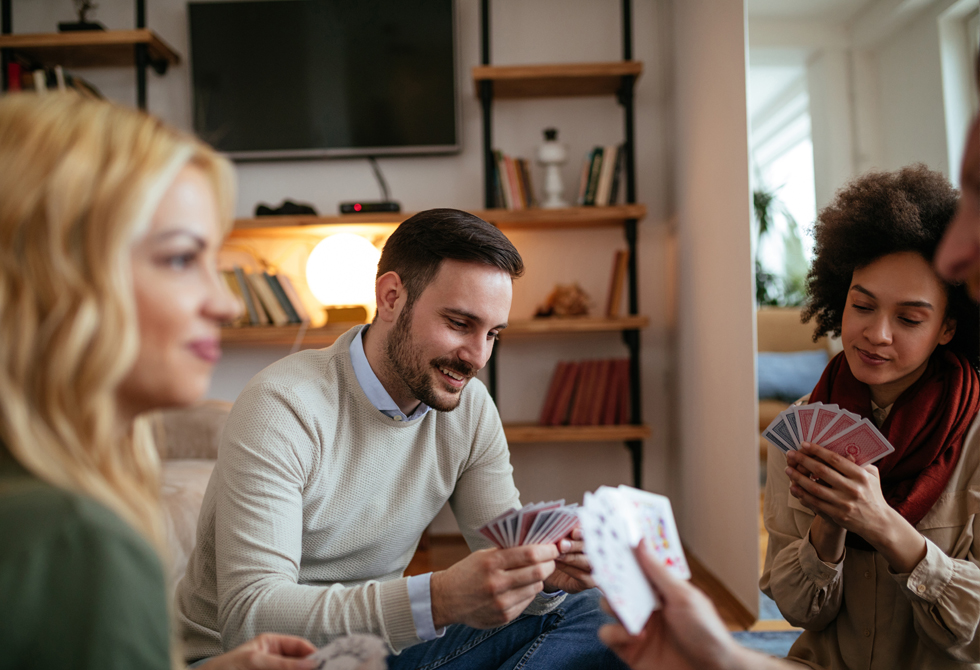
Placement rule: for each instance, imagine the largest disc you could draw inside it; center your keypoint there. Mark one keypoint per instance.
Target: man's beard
(405, 360)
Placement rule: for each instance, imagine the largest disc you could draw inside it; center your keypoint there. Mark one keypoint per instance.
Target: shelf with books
(526, 219)
(283, 336)
(561, 80)
(97, 48)
(585, 324)
(530, 432)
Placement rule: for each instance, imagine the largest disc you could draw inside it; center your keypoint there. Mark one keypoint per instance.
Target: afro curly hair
(875, 215)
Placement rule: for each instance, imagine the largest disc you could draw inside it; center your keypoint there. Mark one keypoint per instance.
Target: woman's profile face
(893, 320)
(181, 299)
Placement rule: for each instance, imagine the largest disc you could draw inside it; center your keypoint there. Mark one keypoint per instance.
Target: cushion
(184, 483)
(788, 376)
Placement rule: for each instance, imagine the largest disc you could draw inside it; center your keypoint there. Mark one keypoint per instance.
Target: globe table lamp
(340, 273)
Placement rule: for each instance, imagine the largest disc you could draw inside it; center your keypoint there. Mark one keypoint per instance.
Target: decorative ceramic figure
(552, 154)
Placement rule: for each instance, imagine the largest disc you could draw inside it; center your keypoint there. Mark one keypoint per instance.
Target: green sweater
(79, 588)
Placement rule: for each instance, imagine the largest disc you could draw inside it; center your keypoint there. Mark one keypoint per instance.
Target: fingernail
(564, 546)
(789, 471)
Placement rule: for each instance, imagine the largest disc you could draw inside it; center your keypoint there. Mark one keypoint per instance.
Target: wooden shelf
(527, 219)
(550, 81)
(555, 325)
(526, 433)
(283, 336)
(97, 48)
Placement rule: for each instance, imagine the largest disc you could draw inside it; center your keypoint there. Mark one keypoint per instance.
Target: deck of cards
(536, 523)
(831, 427)
(614, 521)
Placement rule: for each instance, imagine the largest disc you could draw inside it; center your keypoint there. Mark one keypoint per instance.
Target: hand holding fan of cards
(536, 523)
(831, 427)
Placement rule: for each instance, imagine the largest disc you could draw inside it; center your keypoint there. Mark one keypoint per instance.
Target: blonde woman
(110, 304)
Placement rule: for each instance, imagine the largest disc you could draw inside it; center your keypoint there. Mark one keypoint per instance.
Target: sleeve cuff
(929, 579)
(818, 572)
(420, 596)
(554, 594)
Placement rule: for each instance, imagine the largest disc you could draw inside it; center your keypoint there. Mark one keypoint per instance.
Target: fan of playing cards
(614, 520)
(537, 523)
(831, 427)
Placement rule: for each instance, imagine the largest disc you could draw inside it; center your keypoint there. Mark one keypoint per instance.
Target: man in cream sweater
(334, 461)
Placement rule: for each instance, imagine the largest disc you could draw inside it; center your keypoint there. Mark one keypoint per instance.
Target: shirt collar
(372, 386)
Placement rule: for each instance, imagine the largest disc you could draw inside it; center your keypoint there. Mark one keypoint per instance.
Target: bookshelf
(139, 48)
(492, 83)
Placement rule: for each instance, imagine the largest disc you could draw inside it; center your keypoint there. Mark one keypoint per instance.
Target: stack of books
(588, 393)
(21, 76)
(512, 178)
(266, 299)
(599, 185)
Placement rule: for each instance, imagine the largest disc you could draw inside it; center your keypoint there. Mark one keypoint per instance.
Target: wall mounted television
(308, 78)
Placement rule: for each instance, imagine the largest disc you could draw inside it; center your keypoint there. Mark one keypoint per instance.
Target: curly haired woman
(881, 564)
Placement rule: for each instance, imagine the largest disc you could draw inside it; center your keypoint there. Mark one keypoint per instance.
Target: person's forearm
(746, 659)
(899, 543)
(827, 539)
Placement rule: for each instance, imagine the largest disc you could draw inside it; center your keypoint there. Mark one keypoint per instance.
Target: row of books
(22, 77)
(601, 168)
(265, 298)
(512, 179)
(588, 393)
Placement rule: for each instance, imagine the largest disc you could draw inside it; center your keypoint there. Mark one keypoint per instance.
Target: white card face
(653, 517)
(615, 569)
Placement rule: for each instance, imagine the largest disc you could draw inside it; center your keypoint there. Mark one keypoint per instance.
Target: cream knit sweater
(318, 500)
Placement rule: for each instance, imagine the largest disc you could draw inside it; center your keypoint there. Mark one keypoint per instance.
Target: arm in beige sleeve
(269, 452)
(807, 591)
(945, 593)
(486, 489)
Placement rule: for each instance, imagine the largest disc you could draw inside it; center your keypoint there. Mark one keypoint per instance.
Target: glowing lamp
(340, 273)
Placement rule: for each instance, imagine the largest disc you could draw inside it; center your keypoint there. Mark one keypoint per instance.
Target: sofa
(187, 441)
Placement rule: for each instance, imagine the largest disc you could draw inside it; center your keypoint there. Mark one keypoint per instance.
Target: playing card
(535, 523)
(804, 418)
(843, 421)
(862, 441)
(775, 441)
(781, 429)
(824, 416)
(614, 566)
(653, 520)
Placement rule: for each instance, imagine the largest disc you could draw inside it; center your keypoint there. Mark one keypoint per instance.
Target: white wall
(716, 445)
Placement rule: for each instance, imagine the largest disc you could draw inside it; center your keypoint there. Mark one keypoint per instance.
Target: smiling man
(334, 462)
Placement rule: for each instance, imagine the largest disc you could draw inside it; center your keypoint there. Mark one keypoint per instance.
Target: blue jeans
(564, 639)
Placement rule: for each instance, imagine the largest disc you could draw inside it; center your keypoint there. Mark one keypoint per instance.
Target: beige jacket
(859, 613)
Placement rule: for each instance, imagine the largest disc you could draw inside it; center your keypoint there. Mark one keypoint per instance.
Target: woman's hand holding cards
(848, 495)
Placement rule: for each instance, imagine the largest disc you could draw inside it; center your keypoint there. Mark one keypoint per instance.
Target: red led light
(357, 207)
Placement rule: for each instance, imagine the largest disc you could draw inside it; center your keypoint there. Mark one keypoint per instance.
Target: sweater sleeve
(269, 451)
(807, 591)
(945, 593)
(486, 489)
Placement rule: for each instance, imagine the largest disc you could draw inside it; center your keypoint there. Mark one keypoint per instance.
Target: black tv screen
(295, 78)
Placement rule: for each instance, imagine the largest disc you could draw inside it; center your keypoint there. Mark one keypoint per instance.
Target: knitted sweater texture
(318, 500)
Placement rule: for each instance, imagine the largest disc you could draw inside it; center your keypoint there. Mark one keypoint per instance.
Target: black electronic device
(367, 207)
(308, 78)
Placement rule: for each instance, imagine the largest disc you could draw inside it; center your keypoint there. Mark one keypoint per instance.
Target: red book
(603, 389)
(579, 415)
(567, 390)
(611, 402)
(13, 77)
(554, 389)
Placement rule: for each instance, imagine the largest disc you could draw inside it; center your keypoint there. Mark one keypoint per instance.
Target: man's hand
(490, 587)
(573, 573)
(685, 634)
(267, 652)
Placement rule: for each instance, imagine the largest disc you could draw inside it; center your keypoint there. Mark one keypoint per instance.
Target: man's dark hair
(419, 245)
(876, 215)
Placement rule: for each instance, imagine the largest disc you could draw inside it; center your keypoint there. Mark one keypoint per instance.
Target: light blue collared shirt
(419, 592)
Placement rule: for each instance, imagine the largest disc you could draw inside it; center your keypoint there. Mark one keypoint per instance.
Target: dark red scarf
(926, 425)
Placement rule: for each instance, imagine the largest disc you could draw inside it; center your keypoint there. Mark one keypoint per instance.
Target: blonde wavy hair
(81, 181)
